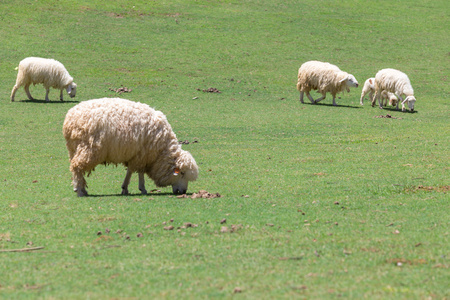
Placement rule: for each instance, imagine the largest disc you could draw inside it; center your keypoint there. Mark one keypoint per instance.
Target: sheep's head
(411, 101)
(393, 101)
(350, 80)
(185, 170)
(72, 89)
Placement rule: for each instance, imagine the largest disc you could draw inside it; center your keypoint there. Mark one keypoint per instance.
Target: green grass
(328, 201)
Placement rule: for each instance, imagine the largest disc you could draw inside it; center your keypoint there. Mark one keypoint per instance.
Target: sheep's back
(393, 81)
(118, 129)
(49, 72)
(321, 76)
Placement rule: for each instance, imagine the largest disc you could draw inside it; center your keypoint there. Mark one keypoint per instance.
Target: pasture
(317, 202)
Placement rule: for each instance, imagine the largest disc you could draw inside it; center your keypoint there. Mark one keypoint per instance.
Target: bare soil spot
(120, 90)
(388, 116)
(201, 194)
(441, 189)
(186, 142)
(210, 90)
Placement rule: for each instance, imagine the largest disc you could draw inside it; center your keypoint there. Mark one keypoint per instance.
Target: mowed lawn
(317, 201)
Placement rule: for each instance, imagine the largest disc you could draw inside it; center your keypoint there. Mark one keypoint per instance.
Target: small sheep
(323, 77)
(49, 72)
(369, 88)
(396, 82)
(119, 131)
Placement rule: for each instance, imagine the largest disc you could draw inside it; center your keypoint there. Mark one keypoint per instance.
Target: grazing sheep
(369, 88)
(323, 77)
(396, 82)
(49, 72)
(119, 131)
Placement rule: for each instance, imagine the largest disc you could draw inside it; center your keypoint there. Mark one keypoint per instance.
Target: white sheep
(396, 82)
(369, 88)
(119, 131)
(49, 72)
(323, 77)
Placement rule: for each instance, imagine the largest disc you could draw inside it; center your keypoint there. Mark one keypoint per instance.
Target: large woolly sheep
(49, 72)
(119, 131)
(369, 88)
(325, 78)
(396, 82)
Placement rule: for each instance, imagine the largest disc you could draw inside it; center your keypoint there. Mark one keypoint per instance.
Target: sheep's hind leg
(142, 184)
(310, 97)
(301, 97)
(27, 90)
(320, 99)
(126, 182)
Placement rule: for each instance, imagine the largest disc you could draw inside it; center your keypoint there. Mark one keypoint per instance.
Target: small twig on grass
(22, 250)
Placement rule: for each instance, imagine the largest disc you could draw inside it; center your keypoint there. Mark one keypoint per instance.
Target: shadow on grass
(134, 195)
(395, 109)
(45, 102)
(330, 104)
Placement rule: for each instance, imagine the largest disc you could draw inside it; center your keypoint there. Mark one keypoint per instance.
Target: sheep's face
(186, 170)
(72, 89)
(393, 101)
(411, 100)
(350, 80)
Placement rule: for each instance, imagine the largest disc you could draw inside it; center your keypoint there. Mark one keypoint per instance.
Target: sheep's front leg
(47, 90)
(321, 98)
(27, 90)
(310, 98)
(126, 182)
(142, 184)
(301, 97)
(400, 99)
(79, 183)
(13, 92)
(363, 93)
(334, 100)
(61, 95)
(371, 99)
(378, 97)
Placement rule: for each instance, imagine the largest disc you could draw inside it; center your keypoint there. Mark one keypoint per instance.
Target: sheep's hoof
(124, 191)
(82, 193)
(143, 191)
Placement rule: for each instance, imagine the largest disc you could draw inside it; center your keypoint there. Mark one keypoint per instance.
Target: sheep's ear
(343, 79)
(404, 101)
(69, 89)
(176, 172)
(370, 81)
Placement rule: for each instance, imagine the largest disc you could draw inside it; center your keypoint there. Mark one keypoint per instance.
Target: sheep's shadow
(133, 195)
(331, 105)
(394, 109)
(45, 102)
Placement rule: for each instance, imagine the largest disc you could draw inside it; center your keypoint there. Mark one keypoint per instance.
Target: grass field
(319, 202)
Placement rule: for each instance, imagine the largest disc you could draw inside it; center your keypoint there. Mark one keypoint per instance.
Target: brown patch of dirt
(388, 116)
(122, 89)
(441, 189)
(320, 174)
(115, 15)
(186, 142)
(210, 90)
(402, 261)
(201, 194)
